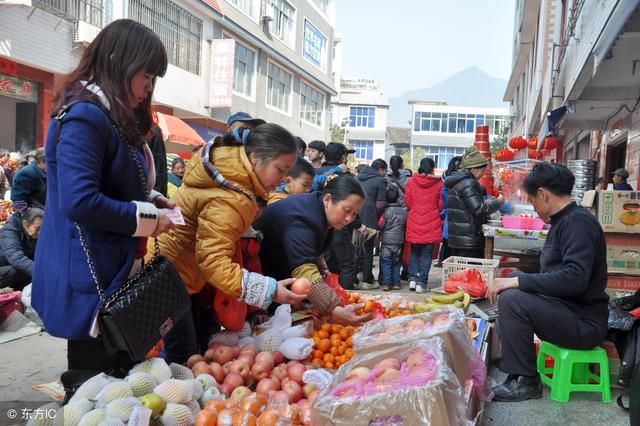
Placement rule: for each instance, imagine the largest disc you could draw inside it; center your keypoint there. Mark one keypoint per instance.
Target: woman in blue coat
(94, 183)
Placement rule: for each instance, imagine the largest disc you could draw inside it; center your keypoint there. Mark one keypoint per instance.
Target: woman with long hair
(100, 176)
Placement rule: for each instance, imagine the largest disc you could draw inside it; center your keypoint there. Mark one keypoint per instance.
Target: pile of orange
(395, 310)
(332, 346)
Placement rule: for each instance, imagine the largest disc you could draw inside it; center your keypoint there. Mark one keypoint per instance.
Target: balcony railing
(83, 10)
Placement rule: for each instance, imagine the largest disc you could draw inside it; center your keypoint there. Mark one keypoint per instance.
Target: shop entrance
(616, 158)
(18, 113)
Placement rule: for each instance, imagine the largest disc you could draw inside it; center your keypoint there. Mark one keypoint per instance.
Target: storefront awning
(550, 122)
(178, 136)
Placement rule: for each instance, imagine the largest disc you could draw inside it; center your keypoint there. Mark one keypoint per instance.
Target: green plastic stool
(570, 372)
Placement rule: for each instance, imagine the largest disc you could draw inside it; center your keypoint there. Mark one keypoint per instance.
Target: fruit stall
(418, 360)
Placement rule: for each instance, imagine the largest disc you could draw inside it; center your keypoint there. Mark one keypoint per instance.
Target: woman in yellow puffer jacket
(218, 202)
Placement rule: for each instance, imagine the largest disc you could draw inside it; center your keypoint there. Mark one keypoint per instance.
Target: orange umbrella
(178, 136)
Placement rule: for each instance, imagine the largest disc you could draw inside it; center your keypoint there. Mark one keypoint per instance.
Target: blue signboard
(315, 45)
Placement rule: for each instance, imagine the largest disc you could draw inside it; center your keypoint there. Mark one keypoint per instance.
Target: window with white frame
(311, 105)
(243, 70)
(322, 4)
(179, 30)
(364, 149)
(283, 24)
(247, 6)
(278, 87)
(362, 116)
(443, 122)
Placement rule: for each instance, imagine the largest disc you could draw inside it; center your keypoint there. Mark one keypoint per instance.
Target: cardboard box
(623, 254)
(619, 211)
(618, 283)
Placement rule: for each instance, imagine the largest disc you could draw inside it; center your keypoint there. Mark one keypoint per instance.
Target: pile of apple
(236, 369)
(388, 375)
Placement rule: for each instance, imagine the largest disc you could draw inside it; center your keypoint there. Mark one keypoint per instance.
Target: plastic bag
(280, 320)
(430, 394)
(296, 348)
(470, 280)
(448, 323)
(619, 317)
(300, 330)
(320, 377)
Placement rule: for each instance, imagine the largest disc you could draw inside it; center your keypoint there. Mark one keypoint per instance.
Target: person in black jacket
(392, 231)
(375, 187)
(466, 209)
(565, 304)
(18, 239)
(29, 187)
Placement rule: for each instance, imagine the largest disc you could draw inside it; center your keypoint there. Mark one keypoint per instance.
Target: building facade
(442, 131)
(361, 110)
(281, 69)
(574, 75)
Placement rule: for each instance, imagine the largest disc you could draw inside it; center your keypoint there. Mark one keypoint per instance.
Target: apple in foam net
(223, 354)
(240, 367)
(362, 372)
(388, 375)
(266, 357)
(416, 357)
(389, 363)
(442, 319)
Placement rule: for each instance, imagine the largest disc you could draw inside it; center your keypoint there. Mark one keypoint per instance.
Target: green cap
(472, 159)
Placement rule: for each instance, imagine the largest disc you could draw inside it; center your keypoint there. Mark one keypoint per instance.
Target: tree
(498, 142)
(337, 133)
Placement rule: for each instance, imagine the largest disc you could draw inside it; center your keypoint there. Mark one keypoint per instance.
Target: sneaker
(369, 286)
(396, 286)
(412, 285)
(386, 287)
(419, 288)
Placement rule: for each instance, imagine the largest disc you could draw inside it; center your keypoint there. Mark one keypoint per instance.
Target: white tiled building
(281, 70)
(442, 131)
(361, 109)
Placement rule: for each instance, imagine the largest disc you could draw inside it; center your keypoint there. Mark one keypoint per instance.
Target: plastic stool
(570, 372)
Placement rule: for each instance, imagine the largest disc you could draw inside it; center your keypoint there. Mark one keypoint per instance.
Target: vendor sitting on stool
(565, 304)
(620, 177)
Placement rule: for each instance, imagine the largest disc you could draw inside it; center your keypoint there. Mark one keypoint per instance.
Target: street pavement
(40, 358)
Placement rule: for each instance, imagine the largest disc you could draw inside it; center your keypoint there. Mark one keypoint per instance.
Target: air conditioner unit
(84, 32)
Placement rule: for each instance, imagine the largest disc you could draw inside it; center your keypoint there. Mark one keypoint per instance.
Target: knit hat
(472, 159)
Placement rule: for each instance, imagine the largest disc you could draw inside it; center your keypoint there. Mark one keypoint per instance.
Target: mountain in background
(470, 87)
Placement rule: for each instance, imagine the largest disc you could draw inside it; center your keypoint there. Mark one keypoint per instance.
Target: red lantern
(517, 143)
(550, 142)
(505, 154)
(533, 143)
(534, 155)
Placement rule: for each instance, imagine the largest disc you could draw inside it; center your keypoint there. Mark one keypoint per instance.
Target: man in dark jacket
(467, 210)
(375, 187)
(565, 304)
(29, 187)
(18, 239)
(620, 177)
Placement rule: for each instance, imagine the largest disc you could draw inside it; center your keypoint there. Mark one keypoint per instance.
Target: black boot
(518, 388)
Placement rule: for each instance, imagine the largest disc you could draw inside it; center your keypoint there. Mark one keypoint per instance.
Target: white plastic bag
(301, 330)
(296, 348)
(320, 377)
(281, 319)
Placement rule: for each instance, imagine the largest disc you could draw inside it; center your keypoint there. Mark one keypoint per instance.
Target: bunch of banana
(459, 299)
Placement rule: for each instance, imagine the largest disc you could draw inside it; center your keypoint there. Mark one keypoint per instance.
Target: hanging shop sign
(221, 84)
(17, 88)
(314, 45)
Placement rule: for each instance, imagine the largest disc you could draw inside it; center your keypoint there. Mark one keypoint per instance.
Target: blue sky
(414, 44)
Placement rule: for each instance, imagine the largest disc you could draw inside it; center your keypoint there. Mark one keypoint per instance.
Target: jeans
(390, 263)
(420, 263)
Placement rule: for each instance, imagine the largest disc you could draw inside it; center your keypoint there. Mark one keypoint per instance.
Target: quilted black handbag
(146, 306)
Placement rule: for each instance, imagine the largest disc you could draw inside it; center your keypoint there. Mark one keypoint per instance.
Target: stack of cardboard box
(619, 214)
